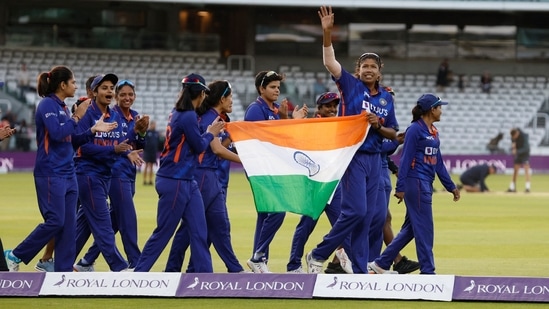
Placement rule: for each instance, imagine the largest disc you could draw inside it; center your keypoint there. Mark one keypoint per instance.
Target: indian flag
(294, 165)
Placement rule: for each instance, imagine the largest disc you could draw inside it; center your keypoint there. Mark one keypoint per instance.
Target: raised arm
(328, 55)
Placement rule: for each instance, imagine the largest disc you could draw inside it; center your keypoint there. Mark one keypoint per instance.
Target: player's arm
(223, 152)
(328, 55)
(445, 178)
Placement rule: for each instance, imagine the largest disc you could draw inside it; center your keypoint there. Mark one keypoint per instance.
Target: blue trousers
(306, 226)
(179, 201)
(266, 226)
(380, 215)
(219, 227)
(418, 224)
(56, 199)
(123, 219)
(359, 190)
(94, 216)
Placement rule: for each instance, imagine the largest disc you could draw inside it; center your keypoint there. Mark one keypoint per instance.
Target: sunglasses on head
(436, 102)
(227, 88)
(123, 83)
(268, 74)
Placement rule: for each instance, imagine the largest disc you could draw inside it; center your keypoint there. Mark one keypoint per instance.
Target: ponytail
(49, 82)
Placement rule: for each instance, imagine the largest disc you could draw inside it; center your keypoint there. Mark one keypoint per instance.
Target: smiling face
(369, 71)
(104, 93)
(328, 109)
(125, 97)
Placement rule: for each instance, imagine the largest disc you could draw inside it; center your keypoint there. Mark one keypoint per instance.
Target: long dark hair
(218, 89)
(186, 97)
(49, 82)
(417, 112)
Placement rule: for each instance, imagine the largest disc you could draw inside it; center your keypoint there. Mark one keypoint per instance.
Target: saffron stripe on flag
(304, 134)
(295, 165)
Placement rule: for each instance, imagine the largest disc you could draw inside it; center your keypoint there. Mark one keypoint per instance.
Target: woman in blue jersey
(122, 184)
(265, 107)
(94, 162)
(421, 160)
(361, 93)
(224, 166)
(54, 177)
(218, 102)
(179, 195)
(402, 264)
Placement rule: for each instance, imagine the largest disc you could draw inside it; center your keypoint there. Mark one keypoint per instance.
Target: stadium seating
(467, 124)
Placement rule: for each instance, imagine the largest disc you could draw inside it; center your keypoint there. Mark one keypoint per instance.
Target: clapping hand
(300, 113)
(142, 124)
(135, 158)
(122, 147)
(102, 126)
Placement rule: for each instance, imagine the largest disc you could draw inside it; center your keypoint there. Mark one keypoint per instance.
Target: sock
(258, 256)
(512, 186)
(528, 185)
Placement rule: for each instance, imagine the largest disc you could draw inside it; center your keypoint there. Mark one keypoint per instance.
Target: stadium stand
(468, 123)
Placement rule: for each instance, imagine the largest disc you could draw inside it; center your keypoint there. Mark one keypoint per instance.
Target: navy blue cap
(196, 81)
(327, 97)
(429, 100)
(101, 78)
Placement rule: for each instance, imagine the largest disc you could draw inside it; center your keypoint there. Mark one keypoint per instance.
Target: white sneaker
(313, 266)
(298, 270)
(344, 260)
(11, 260)
(82, 268)
(258, 267)
(45, 266)
(127, 270)
(380, 271)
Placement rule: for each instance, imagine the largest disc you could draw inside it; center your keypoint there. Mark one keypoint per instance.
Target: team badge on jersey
(383, 102)
(429, 151)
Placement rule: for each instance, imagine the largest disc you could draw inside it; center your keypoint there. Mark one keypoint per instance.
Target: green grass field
(490, 234)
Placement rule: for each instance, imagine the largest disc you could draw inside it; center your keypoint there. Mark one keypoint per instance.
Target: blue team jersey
(123, 167)
(356, 98)
(421, 157)
(183, 144)
(97, 157)
(208, 159)
(387, 148)
(259, 110)
(56, 138)
(223, 172)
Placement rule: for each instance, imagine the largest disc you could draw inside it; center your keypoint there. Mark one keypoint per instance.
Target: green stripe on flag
(294, 193)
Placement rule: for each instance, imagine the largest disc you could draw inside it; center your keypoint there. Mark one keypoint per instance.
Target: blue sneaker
(11, 260)
(45, 265)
